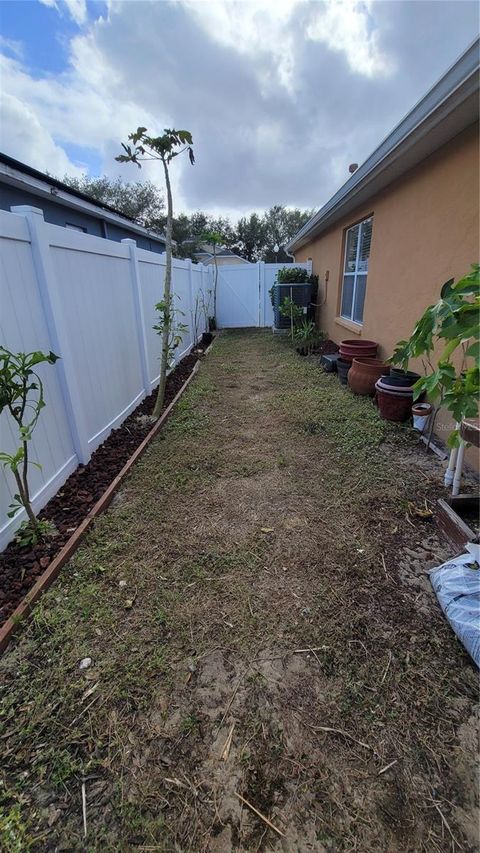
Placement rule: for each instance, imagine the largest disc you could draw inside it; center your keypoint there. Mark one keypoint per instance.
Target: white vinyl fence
(243, 297)
(91, 301)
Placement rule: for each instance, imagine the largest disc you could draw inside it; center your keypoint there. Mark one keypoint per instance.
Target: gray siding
(59, 214)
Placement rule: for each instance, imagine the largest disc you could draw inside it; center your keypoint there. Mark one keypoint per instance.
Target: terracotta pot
(394, 405)
(363, 374)
(351, 349)
(343, 368)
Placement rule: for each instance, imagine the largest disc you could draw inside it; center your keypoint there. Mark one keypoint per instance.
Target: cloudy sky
(280, 95)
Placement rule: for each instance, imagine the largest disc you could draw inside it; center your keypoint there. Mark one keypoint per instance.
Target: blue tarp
(457, 585)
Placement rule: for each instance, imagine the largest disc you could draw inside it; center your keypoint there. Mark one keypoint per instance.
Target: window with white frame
(357, 252)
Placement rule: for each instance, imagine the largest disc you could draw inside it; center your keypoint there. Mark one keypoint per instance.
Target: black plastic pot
(207, 338)
(342, 369)
(398, 381)
(407, 374)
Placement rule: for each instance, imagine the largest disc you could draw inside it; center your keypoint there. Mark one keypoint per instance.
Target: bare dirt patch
(261, 633)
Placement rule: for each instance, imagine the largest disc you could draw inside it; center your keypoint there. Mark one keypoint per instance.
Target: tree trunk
(25, 500)
(167, 289)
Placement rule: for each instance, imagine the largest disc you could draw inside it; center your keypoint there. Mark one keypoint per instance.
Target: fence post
(57, 328)
(210, 269)
(193, 328)
(139, 313)
(261, 293)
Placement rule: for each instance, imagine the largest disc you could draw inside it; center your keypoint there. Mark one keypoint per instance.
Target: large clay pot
(351, 349)
(343, 368)
(363, 374)
(394, 405)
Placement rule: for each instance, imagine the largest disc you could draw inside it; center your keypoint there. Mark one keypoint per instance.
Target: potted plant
(448, 328)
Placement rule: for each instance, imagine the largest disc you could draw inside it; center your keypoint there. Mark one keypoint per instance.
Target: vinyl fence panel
(23, 328)
(91, 301)
(96, 299)
(243, 297)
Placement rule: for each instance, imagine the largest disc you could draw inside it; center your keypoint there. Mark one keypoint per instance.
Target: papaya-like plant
(168, 321)
(21, 394)
(446, 330)
(214, 239)
(163, 148)
(296, 314)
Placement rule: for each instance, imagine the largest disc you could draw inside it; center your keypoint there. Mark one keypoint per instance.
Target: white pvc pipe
(459, 468)
(449, 473)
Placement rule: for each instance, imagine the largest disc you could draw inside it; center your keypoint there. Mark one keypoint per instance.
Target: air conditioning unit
(301, 294)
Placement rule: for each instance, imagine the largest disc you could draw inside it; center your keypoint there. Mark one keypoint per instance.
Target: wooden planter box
(451, 518)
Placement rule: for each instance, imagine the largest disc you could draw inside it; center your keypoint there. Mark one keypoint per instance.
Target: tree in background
(141, 201)
(257, 236)
(254, 237)
(189, 232)
(251, 237)
(163, 148)
(281, 224)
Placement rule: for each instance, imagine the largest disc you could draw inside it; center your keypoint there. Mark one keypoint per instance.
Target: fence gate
(243, 298)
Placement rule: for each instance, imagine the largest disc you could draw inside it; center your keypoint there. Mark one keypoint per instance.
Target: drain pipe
(459, 468)
(450, 472)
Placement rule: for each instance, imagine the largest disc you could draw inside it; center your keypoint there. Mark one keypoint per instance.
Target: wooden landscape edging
(46, 579)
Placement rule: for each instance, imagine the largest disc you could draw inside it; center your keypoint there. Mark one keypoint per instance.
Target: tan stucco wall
(425, 231)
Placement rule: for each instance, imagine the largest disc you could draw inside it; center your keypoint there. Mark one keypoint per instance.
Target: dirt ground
(257, 634)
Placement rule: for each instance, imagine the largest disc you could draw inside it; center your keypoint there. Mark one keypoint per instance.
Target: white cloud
(279, 98)
(28, 141)
(348, 26)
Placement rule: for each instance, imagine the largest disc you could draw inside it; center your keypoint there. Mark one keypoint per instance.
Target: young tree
(21, 394)
(213, 238)
(139, 200)
(163, 148)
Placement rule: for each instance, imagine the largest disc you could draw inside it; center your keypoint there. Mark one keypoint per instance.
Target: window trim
(355, 274)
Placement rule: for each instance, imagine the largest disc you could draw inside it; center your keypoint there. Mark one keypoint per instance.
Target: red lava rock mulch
(21, 566)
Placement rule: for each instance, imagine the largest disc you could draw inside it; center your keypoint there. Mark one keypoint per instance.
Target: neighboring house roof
(19, 174)
(449, 107)
(206, 252)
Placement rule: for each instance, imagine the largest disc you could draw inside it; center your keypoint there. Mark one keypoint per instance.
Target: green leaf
(474, 351)
(447, 288)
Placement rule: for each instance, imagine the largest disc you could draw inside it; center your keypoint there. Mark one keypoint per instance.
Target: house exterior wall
(57, 213)
(425, 231)
(223, 260)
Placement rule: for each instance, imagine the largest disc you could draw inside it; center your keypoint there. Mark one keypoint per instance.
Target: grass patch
(238, 579)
